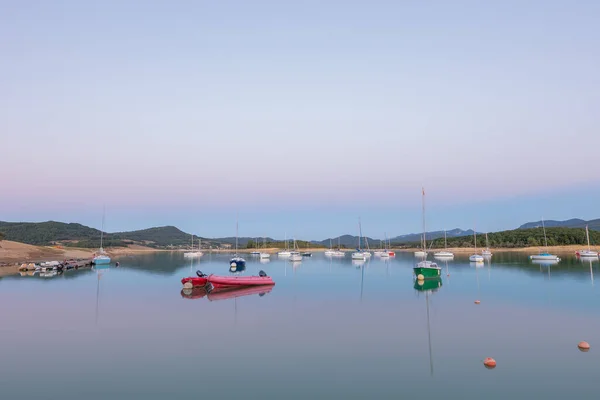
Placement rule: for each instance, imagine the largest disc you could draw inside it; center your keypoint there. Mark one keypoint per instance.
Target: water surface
(328, 329)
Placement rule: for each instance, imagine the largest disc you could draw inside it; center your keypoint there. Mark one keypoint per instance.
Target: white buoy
(420, 277)
(188, 285)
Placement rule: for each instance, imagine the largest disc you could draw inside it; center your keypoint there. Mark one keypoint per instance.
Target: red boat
(218, 281)
(233, 292)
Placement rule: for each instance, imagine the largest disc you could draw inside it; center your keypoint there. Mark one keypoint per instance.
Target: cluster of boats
(52, 268)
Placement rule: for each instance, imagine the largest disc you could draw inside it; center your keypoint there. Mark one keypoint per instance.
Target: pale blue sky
(301, 115)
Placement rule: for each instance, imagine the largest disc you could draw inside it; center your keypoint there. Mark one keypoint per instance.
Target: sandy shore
(15, 252)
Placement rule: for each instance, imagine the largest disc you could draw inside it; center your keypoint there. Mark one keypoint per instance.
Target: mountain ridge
(171, 237)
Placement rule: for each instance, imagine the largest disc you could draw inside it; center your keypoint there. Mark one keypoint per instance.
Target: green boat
(426, 269)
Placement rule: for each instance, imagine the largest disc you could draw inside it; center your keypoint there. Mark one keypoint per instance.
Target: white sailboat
(329, 252)
(544, 256)
(445, 253)
(486, 252)
(359, 254)
(264, 254)
(476, 258)
(421, 253)
(589, 252)
(295, 255)
(101, 257)
(286, 252)
(194, 254)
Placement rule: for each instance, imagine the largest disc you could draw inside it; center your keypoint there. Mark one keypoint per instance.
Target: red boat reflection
(232, 293)
(194, 293)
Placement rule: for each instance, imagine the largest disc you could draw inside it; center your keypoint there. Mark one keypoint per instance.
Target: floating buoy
(420, 277)
(584, 346)
(477, 302)
(489, 363)
(188, 285)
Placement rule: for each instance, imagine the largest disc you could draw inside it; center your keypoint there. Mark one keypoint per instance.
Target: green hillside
(77, 235)
(524, 238)
(45, 233)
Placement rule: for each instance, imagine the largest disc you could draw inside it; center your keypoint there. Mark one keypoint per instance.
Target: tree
(250, 244)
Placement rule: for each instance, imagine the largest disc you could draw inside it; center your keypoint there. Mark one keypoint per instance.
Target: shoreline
(567, 249)
(16, 253)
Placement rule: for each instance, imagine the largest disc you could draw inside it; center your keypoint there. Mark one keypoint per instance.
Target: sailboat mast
(475, 236)
(236, 232)
(102, 231)
(359, 233)
(424, 237)
(545, 239)
(445, 241)
(587, 234)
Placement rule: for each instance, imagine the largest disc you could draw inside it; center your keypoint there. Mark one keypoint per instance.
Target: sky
(299, 116)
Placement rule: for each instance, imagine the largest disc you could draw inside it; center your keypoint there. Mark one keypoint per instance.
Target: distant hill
(44, 233)
(593, 224)
(346, 242)
(533, 237)
(416, 237)
(77, 235)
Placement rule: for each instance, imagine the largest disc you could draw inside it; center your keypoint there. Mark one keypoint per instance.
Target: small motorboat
(219, 281)
(195, 281)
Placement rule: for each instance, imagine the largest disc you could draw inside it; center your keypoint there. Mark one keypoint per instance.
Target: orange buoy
(477, 302)
(489, 363)
(584, 346)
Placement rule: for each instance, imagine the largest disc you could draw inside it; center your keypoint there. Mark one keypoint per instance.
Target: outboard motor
(200, 274)
(262, 274)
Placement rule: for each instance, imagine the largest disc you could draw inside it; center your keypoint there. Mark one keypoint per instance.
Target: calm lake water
(328, 329)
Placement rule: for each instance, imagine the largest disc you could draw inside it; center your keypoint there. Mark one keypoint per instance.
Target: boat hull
(443, 254)
(237, 262)
(420, 254)
(476, 258)
(428, 273)
(544, 257)
(100, 260)
(587, 253)
(237, 281)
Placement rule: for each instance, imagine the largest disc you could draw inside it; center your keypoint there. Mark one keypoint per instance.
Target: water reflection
(428, 286)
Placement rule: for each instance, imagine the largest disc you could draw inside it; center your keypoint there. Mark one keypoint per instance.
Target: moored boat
(476, 258)
(426, 269)
(101, 257)
(589, 253)
(237, 261)
(544, 256)
(218, 281)
(445, 254)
